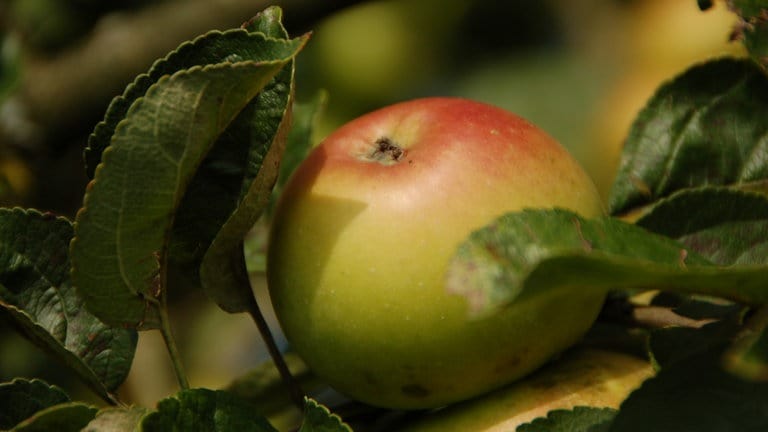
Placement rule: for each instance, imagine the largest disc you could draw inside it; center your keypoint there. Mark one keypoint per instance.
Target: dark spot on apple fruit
(509, 364)
(370, 379)
(415, 390)
(386, 151)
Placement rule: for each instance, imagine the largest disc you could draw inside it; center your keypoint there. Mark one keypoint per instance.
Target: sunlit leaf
(537, 250)
(582, 376)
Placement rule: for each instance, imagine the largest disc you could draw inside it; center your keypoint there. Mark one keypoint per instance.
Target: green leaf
(317, 418)
(579, 419)
(522, 253)
(698, 308)
(748, 8)
(748, 355)
(215, 47)
(269, 22)
(65, 417)
(265, 389)
(117, 420)
(753, 28)
(299, 143)
(122, 233)
(726, 225)
(300, 137)
(705, 127)
(21, 398)
(222, 271)
(695, 394)
(227, 172)
(36, 294)
(205, 410)
(669, 345)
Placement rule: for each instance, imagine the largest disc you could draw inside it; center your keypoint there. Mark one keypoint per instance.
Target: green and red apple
(365, 229)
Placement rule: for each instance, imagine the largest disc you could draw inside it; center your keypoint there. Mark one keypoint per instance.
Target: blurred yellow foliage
(664, 38)
(16, 177)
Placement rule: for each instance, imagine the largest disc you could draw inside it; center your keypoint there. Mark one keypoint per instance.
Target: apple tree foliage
(188, 158)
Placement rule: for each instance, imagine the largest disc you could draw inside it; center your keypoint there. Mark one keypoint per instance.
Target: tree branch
(63, 96)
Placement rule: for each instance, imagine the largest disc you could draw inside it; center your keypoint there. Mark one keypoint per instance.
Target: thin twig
(294, 388)
(624, 311)
(63, 96)
(660, 317)
(173, 351)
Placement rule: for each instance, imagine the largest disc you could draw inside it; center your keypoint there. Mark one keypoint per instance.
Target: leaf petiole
(294, 388)
(173, 351)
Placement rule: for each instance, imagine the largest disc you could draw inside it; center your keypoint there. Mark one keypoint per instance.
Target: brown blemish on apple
(386, 152)
(507, 365)
(415, 390)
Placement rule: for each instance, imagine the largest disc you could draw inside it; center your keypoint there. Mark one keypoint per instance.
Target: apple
(581, 377)
(365, 228)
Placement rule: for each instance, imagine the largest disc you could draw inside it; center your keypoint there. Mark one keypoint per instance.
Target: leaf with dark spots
(726, 225)
(123, 232)
(36, 294)
(705, 127)
(524, 253)
(752, 30)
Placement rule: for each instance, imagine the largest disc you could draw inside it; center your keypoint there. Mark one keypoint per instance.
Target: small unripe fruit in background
(364, 231)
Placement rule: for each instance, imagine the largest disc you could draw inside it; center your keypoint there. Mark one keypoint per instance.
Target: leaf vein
(693, 114)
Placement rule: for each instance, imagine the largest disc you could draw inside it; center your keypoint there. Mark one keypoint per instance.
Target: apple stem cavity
(386, 152)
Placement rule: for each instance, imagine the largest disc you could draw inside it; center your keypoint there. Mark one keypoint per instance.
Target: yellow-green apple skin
(365, 228)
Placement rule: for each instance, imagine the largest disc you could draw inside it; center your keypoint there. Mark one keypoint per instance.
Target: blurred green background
(580, 69)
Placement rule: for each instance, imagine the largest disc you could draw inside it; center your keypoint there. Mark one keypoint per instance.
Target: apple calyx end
(385, 151)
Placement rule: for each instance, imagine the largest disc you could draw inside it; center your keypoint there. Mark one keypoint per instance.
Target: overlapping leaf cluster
(181, 167)
(187, 157)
